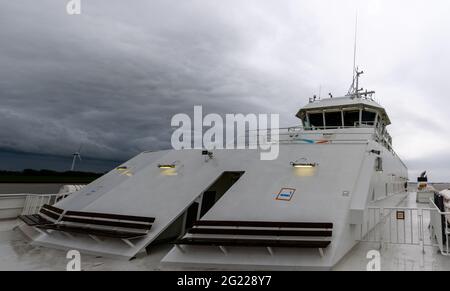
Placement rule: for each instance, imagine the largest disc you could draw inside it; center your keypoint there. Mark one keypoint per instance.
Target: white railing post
(421, 231)
(33, 205)
(26, 205)
(382, 226)
(446, 234)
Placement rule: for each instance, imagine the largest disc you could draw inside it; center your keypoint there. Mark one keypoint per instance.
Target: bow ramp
(141, 202)
(292, 215)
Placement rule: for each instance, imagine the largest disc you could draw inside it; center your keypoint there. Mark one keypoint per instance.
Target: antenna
(76, 155)
(355, 45)
(354, 88)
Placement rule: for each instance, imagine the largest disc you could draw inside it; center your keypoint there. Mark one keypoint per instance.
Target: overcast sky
(112, 77)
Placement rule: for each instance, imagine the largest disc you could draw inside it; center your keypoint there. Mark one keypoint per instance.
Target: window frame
(332, 111)
(362, 122)
(354, 110)
(308, 115)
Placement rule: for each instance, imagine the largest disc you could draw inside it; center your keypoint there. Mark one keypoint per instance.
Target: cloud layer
(112, 77)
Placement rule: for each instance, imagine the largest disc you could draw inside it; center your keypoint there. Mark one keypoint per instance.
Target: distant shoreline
(49, 182)
(47, 177)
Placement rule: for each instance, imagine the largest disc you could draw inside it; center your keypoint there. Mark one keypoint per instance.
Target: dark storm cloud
(112, 77)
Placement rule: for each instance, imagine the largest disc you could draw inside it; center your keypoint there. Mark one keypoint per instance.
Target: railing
(407, 226)
(33, 202)
(292, 135)
(398, 226)
(440, 228)
(364, 124)
(13, 205)
(297, 134)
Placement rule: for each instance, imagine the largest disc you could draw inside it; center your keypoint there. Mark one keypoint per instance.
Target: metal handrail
(446, 251)
(384, 228)
(12, 195)
(293, 134)
(306, 128)
(26, 203)
(304, 131)
(437, 208)
(34, 202)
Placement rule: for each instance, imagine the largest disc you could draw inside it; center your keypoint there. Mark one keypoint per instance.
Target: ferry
(328, 202)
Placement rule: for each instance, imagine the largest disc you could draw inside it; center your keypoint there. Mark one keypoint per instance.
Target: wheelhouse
(346, 113)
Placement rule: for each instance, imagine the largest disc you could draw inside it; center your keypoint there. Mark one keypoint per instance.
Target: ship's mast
(354, 90)
(355, 46)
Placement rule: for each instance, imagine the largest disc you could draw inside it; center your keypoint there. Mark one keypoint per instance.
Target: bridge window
(333, 119)
(368, 117)
(316, 119)
(351, 118)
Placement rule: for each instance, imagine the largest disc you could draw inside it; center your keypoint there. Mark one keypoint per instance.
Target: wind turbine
(76, 155)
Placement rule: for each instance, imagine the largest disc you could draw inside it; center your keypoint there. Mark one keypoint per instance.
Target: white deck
(397, 257)
(16, 253)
